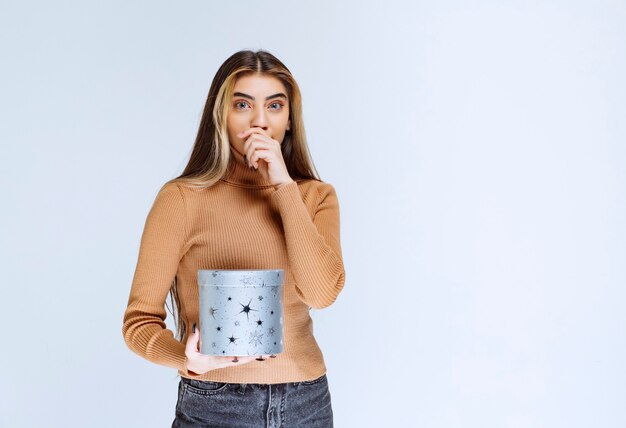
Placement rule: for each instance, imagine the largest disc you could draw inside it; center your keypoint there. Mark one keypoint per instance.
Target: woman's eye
(238, 103)
(279, 105)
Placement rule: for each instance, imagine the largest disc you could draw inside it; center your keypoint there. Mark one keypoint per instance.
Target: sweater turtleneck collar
(239, 173)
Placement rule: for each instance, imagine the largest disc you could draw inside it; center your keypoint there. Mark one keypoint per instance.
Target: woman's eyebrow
(241, 94)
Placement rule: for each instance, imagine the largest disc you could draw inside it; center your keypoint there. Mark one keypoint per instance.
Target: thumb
(192, 341)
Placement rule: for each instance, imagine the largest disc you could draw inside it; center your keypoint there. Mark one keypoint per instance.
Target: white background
(478, 152)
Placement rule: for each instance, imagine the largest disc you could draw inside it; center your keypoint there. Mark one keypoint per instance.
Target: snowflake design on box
(247, 280)
(255, 338)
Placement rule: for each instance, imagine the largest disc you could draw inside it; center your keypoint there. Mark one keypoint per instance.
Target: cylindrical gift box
(241, 312)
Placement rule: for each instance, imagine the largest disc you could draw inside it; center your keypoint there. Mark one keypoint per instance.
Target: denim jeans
(240, 405)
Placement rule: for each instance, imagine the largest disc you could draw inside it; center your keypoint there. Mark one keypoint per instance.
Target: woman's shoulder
(170, 186)
(168, 190)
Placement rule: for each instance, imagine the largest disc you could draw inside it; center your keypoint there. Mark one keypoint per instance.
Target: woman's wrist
(279, 185)
(187, 368)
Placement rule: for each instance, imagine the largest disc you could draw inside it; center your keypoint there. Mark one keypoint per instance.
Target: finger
(254, 129)
(238, 360)
(253, 151)
(258, 137)
(258, 157)
(247, 141)
(262, 155)
(248, 149)
(254, 139)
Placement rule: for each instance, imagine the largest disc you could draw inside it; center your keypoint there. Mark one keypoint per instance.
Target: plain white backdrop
(478, 153)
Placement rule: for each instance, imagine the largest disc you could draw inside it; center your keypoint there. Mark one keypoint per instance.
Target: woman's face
(258, 101)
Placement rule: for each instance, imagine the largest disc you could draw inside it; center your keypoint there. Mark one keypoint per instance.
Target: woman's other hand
(198, 363)
(264, 154)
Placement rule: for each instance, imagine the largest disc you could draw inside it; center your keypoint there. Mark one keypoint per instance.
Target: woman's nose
(260, 120)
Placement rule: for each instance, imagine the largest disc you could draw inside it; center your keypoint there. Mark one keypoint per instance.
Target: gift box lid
(241, 278)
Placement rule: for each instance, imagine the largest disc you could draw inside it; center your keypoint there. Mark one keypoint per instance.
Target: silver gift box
(241, 312)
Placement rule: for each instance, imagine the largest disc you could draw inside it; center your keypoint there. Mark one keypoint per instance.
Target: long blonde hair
(210, 156)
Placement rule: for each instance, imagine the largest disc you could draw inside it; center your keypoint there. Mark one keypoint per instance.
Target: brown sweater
(242, 222)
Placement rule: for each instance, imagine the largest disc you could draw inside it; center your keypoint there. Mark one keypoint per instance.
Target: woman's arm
(164, 235)
(313, 244)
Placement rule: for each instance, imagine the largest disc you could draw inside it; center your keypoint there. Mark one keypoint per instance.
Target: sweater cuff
(283, 192)
(170, 351)
(282, 185)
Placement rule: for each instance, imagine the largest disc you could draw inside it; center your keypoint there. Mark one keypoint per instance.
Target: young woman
(249, 198)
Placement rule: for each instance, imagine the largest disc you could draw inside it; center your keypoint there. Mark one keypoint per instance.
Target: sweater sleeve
(313, 244)
(160, 251)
